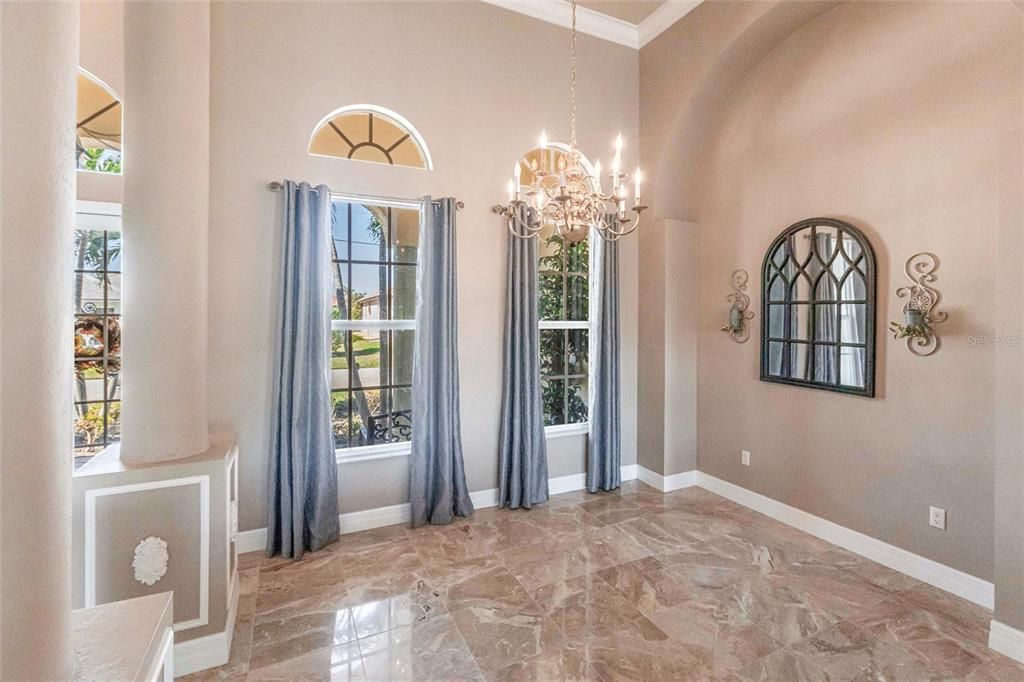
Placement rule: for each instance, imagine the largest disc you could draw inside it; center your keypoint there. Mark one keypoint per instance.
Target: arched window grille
(369, 133)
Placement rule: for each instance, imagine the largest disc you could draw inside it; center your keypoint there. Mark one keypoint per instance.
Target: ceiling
(633, 11)
(632, 23)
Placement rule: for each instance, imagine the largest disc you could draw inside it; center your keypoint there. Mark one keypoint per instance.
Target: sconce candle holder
(920, 314)
(739, 315)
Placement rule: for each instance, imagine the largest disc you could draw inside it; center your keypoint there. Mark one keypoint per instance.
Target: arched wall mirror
(818, 308)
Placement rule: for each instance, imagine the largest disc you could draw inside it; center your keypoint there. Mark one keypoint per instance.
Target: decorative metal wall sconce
(920, 314)
(739, 330)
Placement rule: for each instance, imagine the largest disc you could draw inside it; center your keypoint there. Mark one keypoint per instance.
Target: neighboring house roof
(368, 300)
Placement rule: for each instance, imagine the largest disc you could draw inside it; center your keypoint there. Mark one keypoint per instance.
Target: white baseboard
(932, 572)
(208, 651)
(351, 522)
(566, 484)
(1006, 640)
(252, 540)
(482, 499)
(629, 472)
(685, 479)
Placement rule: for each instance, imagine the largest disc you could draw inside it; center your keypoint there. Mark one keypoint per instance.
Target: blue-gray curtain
(604, 444)
(437, 478)
(827, 316)
(523, 464)
(303, 476)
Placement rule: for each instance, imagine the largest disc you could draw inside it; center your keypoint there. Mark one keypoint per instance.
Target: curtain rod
(277, 187)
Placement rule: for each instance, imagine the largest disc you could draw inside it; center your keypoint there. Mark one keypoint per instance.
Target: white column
(166, 221)
(39, 63)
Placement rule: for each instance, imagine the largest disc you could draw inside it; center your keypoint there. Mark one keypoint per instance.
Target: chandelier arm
(606, 237)
(618, 234)
(528, 230)
(549, 193)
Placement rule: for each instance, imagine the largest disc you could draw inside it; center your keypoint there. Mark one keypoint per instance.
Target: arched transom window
(367, 133)
(98, 126)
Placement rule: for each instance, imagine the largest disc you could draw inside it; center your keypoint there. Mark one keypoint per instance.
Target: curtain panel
(523, 457)
(303, 475)
(604, 444)
(437, 478)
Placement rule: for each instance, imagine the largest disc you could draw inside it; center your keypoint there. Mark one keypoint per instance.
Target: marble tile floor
(629, 585)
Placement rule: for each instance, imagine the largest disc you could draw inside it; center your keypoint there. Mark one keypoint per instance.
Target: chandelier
(565, 196)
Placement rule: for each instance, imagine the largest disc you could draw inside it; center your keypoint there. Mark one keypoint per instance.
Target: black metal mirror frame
(767, 270)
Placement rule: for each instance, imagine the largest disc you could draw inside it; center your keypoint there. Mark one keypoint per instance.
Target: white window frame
(97, 216)
(580, 428)
(365, 453)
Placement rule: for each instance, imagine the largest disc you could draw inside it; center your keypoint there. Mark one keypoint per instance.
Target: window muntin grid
(97, 337)
(374, 252)
(564, 335)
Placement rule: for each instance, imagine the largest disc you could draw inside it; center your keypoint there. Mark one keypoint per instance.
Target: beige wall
(1009, 454)
(686, 74)
(480, 99)
(887, 115)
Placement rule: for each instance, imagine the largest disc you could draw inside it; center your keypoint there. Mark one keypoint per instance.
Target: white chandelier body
(564, 196)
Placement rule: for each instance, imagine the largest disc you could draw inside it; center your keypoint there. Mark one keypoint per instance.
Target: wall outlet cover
(937, 518)
(745, 457)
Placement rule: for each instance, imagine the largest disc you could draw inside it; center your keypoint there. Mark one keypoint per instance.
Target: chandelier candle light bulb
(570, 198)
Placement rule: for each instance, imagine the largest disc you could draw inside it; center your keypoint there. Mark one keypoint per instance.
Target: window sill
(563, 430)
(372, 452)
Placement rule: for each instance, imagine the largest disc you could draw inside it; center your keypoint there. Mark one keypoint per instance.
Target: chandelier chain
(572, 84)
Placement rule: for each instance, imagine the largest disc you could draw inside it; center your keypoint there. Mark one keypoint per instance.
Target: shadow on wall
(676, 171)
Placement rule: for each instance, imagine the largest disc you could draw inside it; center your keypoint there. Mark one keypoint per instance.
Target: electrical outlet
(745, 457)
(937, 518)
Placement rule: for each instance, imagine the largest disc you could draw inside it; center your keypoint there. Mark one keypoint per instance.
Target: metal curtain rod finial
(276, 186)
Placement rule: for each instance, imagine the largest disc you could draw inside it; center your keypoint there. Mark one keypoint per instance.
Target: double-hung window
(375, 245)
(564, 302)
(97, 312)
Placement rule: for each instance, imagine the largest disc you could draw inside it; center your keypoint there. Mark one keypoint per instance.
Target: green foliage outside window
(101, 160)
(563, 352)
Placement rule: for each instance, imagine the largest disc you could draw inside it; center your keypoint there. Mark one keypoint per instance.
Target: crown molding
(558, 12)
(662, 18)
(599, 25)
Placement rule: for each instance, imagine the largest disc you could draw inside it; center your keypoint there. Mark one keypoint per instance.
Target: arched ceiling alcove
(760, 29)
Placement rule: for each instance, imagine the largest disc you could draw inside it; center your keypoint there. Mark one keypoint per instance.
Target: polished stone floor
(631, 585)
